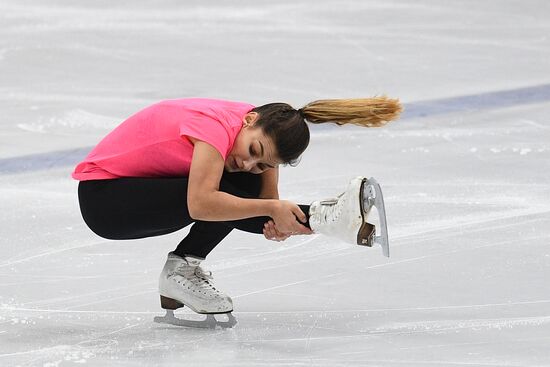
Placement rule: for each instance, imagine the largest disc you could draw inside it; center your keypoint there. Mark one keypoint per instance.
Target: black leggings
(131, 208)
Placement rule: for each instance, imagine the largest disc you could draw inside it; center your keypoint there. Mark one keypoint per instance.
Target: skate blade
(367, 231)
(373, 197)
(209, 323)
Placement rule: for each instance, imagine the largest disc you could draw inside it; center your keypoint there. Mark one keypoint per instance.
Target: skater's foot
(342, 217)
(184, 282)
(345, 217)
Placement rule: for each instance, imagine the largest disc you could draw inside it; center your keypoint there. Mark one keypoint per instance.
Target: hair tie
(301, 112)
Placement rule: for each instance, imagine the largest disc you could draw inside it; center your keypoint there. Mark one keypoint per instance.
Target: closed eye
(261, 166)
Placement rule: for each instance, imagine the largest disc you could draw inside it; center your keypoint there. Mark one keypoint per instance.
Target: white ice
(467, 192)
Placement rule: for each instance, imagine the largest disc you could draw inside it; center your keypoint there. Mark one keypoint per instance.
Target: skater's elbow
(200, 206)
(195, 210)
(194, 207)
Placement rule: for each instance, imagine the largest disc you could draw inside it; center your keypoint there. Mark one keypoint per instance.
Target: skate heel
(169, 303)
(366, 235)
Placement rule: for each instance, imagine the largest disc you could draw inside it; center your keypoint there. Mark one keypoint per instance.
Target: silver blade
(377, 200)
(209, 323)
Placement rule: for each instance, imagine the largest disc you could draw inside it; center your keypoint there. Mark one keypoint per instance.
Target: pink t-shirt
(153, 143)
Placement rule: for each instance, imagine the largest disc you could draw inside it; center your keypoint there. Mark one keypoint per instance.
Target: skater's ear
(250, 119)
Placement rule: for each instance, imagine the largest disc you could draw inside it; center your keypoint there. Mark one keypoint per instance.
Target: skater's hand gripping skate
(286, 214)
(272, 233)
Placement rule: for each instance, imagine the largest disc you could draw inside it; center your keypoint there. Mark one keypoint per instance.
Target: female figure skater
(215, 164)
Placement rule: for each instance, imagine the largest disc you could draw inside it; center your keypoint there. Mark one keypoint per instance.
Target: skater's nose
(249, 164)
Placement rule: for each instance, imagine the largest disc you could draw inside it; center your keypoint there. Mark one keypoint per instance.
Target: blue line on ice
(475, 102)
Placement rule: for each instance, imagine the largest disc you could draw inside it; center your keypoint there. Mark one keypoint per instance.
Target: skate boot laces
(197, 276)
(330, 211)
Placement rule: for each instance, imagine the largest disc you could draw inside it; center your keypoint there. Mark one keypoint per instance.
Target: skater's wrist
(271, 206)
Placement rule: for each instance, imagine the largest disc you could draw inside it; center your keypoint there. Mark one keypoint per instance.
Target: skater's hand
(272, 233)
(286, 215)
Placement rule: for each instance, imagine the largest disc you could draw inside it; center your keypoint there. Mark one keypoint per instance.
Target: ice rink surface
(465, 175)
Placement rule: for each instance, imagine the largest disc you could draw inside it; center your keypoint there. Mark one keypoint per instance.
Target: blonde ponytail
(368, 112)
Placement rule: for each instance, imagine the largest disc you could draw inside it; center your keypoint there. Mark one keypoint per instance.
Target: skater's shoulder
(199, 103)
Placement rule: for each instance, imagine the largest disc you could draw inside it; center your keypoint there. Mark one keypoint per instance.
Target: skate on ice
(183, 282)
(346, 217)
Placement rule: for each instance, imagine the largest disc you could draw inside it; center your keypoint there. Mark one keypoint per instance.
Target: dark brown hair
(287, 126)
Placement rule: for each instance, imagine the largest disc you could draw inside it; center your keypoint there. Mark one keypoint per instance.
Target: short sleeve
(207, 129)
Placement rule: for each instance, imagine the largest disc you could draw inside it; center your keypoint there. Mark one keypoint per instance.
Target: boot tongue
(193, 261)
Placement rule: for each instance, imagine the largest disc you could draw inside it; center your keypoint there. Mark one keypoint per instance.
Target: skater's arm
(206, 202)
(270, 182)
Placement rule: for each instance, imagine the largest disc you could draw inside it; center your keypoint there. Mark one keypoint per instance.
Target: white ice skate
(183, 282)
(346, 216)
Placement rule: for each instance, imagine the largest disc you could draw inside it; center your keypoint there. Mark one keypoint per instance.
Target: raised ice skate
(346, 216)
(183, 282)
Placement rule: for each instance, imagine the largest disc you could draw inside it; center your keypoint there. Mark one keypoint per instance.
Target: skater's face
(252, 151)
